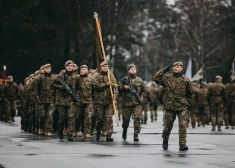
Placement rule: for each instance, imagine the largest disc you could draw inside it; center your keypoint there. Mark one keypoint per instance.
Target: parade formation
(82, 102)
(78, 102)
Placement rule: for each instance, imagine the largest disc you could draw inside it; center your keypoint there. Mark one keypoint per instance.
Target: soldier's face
(104, 68)
(132, 71)
(177, 69)
(47, 69)
(69, 67)
(83, 71)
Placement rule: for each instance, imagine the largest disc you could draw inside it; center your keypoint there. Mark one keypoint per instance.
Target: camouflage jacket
(194, 97)
(63, 98)
(217, 93)
(202, 97)
(44, 92)
(146, 96)
(178, 90)
(11, 91)
(101, 92)
(230, 88)
(128, 97)
(85, 89)
(154, 94)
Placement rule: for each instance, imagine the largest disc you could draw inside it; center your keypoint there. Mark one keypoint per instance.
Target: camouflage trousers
(202, 114)
(86, 112)
(170, 117)
(144, 117)
(45, 116)
(32, 127)
(153, 110)
(24, 117)
(192, 114)
(67, 113)
(11, 109)
(104, 118)
(217, 110)
(3, 111)
(229, 114)
(136, 112)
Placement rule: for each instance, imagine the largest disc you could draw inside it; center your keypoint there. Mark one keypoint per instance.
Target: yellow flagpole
(103, 52)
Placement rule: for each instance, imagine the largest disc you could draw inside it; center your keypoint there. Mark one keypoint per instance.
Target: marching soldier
(132, 102)
(65, 100)
(178, 91)
(44, 95)
(193, 107)
(230, 106)
(217, 98)
(103, 100)
(146, 102)
(154, 95)
(11, 93)
(85, 97)
(202, 104)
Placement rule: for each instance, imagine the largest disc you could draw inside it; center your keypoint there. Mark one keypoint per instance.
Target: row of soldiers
(214, 101)
(84, 102)
(75, 102)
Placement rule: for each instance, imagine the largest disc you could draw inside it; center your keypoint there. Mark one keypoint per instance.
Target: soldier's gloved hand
(127, 87)
(167, 68)
(108, 83)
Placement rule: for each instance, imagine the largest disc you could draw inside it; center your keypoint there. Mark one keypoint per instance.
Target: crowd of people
(80, 102)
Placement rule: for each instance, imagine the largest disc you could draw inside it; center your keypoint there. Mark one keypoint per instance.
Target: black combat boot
(70, 137)
(165, 144)
(124, 136)
(109, 138)
(61, 135)
(97, 137)
(183, 147)
(136, 137)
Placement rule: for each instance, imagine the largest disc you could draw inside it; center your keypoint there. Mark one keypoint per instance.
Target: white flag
(198, 75)
(189, 69)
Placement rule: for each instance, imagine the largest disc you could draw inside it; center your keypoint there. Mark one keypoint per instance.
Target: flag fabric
(189, 69)
(99, 54)
(198, 75)
(4, 75)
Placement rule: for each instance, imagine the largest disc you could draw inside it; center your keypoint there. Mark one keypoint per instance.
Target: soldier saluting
(178, 91)
(132, 102)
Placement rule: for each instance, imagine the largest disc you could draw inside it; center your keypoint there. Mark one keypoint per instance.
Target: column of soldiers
(72, 102)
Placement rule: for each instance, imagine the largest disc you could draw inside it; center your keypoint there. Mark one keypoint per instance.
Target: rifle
(126, 81)
(68, 89)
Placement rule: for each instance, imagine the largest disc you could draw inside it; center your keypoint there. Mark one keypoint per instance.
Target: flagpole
(103, 52)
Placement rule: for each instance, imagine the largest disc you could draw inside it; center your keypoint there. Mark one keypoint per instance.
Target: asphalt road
(206, 149)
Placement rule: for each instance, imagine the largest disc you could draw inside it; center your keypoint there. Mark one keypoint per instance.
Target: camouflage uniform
(202, 104)
(177, 96)
(154, 96)
(31, 103)
(230, 106)
(103, 101)
(11, 93)
(131, 105)
(45, 96)
(193, 108)
(2, 107)
(67, 107)
(217, 98)
(146, 102)
(85, 104)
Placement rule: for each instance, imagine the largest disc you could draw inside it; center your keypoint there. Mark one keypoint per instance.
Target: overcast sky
(171, 2)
